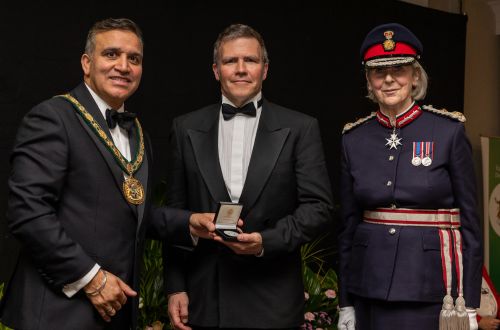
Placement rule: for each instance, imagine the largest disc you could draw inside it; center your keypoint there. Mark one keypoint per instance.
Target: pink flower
(306, 295)
(309, 316)
(331, 294)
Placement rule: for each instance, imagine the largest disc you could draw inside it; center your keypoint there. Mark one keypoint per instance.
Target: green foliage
(320, 283)
(2, 327)
(153, 302)
(320, 287)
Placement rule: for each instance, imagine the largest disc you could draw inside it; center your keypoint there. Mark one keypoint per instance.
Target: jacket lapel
(267, 147)
(142, 173)
(204, 140)
(83, 96)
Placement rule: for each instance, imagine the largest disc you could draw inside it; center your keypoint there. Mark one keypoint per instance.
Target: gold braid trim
(443, 112)
(349, 126)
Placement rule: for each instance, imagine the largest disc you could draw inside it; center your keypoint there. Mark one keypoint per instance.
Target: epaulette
(443, 112)
(358, 122)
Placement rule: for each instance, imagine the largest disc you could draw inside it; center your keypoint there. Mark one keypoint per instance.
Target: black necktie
(124, 119)
(228, 111)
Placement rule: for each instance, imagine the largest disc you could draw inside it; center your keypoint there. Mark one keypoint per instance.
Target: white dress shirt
(121, 141)
(235, 143)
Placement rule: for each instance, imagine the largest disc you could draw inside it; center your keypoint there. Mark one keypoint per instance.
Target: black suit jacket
(286, 198)
(67, 209)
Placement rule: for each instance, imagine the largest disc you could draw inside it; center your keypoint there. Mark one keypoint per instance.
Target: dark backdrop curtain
(313, 47)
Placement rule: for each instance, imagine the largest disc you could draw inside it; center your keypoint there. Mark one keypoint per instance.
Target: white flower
(141, 302)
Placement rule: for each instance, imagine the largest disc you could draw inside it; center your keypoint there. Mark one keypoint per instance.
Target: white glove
(471, 312)
(347, 318)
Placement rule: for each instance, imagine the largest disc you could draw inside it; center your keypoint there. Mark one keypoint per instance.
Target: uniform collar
(403, 119)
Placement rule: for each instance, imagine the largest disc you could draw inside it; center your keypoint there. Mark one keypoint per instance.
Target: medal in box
(226, 220)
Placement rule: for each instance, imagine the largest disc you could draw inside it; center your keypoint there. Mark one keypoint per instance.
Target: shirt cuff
(194, 239)
(72, 288)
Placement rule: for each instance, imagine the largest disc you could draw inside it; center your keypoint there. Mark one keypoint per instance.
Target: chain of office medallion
(129, 167)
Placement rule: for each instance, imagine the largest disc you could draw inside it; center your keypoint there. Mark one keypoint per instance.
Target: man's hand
(202, 225)
(247, 243)
(178, 310)
(112, 296)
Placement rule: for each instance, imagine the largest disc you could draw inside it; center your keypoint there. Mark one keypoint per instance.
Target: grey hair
(236, 31)
(419, 91)
(110, 24)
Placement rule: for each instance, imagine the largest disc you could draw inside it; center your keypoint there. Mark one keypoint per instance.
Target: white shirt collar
(101, 104)
(255, 99)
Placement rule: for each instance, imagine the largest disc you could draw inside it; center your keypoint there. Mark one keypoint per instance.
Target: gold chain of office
(132, 188)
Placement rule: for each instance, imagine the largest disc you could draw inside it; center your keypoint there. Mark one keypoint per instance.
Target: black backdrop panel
(313, 46)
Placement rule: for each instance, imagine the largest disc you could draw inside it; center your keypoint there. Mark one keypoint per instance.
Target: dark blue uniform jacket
(405, 264)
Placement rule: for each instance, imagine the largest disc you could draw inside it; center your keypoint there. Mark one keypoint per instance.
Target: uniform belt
(440, 218)
(448, 223)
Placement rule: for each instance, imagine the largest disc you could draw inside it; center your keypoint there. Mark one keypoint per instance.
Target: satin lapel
(204, 140)
(267, 148)
(83, 96)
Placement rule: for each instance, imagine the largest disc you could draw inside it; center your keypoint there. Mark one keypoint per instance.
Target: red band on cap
(400, 49)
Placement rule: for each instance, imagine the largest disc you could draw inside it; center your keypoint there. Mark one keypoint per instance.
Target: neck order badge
(401, 120)
(132, 188)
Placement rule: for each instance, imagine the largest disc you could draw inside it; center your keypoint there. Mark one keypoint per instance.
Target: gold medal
(132, 188)
(133, 191)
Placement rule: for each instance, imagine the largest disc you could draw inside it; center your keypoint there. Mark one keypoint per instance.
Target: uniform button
(389, 183)
(392, 231)
(391, 158)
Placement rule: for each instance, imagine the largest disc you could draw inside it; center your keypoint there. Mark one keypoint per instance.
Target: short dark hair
(110, 24)
(236, 31)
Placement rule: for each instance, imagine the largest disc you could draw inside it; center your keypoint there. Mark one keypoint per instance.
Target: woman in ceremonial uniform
(410, 244)
(488, 314)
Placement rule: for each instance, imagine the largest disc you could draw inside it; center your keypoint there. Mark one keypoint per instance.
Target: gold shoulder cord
(349, 126)
(132, 188)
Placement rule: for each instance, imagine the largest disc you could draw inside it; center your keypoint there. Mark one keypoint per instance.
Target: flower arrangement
(321, 302)
(320, 285)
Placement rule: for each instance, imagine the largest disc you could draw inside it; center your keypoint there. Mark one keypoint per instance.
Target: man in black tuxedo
(79, 197)
(269, 159)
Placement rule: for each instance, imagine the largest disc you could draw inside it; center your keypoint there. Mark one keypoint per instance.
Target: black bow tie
(228, 111)
(124, 119)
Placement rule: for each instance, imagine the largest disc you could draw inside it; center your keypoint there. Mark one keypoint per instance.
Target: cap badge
(389, 44)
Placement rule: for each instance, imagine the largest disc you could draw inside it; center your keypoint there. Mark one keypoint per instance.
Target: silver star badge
(393, 142)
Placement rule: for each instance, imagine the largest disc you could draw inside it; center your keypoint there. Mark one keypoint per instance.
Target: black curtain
(313, 46)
